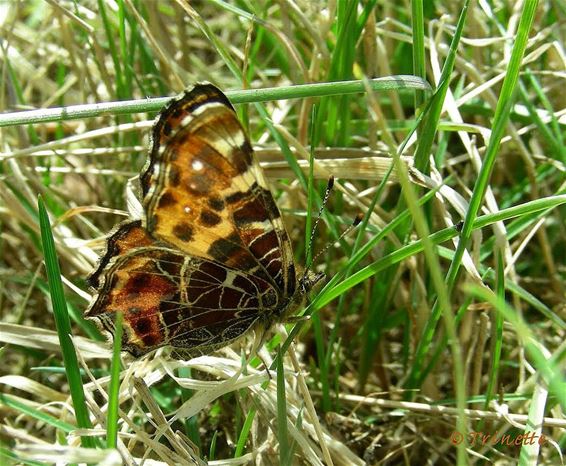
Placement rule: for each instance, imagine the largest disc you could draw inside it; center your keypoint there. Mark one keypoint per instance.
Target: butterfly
(210, 260)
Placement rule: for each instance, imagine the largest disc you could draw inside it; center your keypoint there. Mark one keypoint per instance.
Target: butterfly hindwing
(170, 298)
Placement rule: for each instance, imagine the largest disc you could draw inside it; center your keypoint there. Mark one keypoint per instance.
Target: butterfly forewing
(206, 195)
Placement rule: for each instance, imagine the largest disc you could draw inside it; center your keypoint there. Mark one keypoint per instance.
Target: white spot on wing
(222, 146)
(185, 121)
(206, 107)
(265, 226)
(238, 138)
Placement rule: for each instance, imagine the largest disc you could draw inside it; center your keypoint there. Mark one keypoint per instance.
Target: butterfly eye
(309, 280)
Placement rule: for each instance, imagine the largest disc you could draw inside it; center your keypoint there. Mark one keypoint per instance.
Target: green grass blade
(114, 388)
(497, 333)
(212, 449)
(63, 324)
(12, 458)
(13, 403)
(430, 124)
(282, 432)
(237, 97)
(244, 433)
(372, 331)
(550, 131)
(419, 58)
(332, 291)
(110, 37)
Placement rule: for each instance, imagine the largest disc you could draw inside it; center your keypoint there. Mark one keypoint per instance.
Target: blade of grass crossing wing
(74, 112)
(63, 325)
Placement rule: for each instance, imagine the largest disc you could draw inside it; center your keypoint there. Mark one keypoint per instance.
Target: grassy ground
(444, 313)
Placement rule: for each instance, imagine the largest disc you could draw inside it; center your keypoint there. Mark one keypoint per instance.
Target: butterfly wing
(205, 194)
(169, 298)
(211, 258)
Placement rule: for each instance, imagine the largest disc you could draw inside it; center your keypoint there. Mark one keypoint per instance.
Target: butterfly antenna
(354, 224)
(327, 192)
